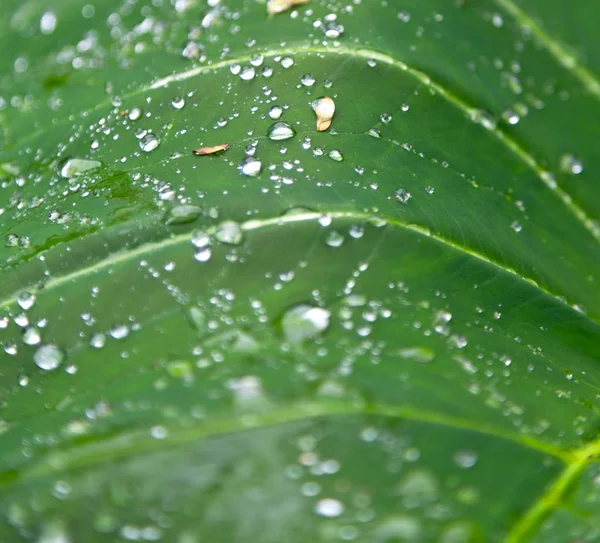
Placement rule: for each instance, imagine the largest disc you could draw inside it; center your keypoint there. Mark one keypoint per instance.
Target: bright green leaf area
(383, 332)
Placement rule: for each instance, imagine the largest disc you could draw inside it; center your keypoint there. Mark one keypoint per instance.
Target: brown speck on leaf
(324, 109)
(279, 6)
(211, 150)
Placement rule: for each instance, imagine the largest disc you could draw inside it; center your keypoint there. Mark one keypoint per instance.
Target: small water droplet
(423, 355)
(511, 117)
(203, 255)
(287, 62)
(386, 118)
(516, 226)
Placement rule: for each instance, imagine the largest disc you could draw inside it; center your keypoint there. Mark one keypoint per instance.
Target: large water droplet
(48, 357)
(251, 167)
(229, 232)
(149, 142)
(329, 507)
(78, 166)
(182, 214)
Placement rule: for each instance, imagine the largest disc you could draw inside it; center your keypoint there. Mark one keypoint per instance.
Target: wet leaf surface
(379, 325)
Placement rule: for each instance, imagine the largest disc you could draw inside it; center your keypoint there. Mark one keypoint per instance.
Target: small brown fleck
(324, 109)
(211, 150)
(279, 6)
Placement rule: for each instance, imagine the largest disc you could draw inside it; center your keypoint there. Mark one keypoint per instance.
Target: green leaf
(383, 331)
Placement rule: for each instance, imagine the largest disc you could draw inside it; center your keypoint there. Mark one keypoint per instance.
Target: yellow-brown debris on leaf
(324, 109)
(279, 6)
(212, 150)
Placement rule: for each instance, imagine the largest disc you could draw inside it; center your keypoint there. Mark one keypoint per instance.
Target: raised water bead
(178, 102)
(229, 232)
(329, 508)
(247, 73)
(73, 167)
(402, 195)
(182, 214)
(510, 116)
(250, 167)
(135, 114)
(280, 131)
(307, 80)
(303, 322)
(26, 300)
(31, 336)
(48, 357)
(149, 142)
(336, 155)
(275, 113)
(287, 62)
(569, 163)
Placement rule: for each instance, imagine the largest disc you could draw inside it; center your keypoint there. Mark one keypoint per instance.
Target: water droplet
(423, 355)
(98, 340)
(571, 164)
(178, 102)
(280, 131)
(26, 300)
(200, 238)
(182, 214)
(247, 73)
(287, 62)
(203, 255)
(31, 336)
(307, 80)
(402, 195)
(48, 22)
(334, 239)
(135, 114)
(516, 226)
(303, 322)
(119, 331)
(484, 118)
(510, 116)
(334, 154)
(386, 118)
(73, 167)
(465, 459)
(48, 357)
(275, 112)
(333, 30)
(251, 167)
(329, 507)
(149, 142)
(229, 232)
(246, 388)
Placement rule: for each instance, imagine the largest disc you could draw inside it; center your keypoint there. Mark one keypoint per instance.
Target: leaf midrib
(255, 224)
